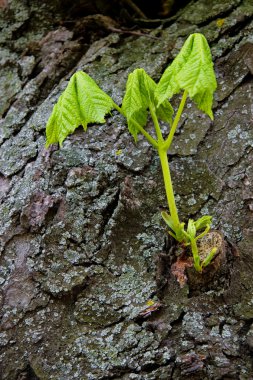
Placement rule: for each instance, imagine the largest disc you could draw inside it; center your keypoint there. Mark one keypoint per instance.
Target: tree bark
(83, 247)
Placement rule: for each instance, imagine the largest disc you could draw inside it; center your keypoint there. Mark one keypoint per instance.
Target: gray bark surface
(82, 242)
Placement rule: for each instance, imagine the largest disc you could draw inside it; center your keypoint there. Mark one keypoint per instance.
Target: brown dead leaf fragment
(179, 267)
(3, 4)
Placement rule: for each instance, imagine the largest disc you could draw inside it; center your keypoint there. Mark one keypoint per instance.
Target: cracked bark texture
(81, 238)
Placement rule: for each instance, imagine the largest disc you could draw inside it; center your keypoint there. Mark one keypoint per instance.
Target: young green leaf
(81, 103)
(203, 222)
(178, 230)
(192, 70)
(139, 97)
(191, 229)
(168, 220)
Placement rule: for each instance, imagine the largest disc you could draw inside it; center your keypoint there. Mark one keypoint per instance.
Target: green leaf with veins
(139, 96)
(81, 103)
(192, 70)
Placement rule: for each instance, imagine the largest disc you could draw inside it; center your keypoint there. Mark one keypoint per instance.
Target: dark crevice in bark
(246, 327)
(164, 22)
(20, 171)
(27, 374)
(120, 320)
(238, 162)
(152, 10)
(110, 209)
(176, 324)
(245, 80)
(239, 27)
(69, 297)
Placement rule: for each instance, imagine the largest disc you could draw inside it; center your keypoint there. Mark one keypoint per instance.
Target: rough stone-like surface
(83, 248)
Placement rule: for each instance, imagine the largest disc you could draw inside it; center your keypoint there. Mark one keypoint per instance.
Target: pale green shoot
(83, 102)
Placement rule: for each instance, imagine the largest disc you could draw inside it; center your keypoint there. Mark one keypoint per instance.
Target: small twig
(135, 33)
(134, 7)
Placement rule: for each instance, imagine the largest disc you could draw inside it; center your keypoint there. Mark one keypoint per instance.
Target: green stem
(168, 186)
(156, 124)
(168, 141)
(195, 254)
(165, 169)
(204, 232)
(195, 251)
(150, 139)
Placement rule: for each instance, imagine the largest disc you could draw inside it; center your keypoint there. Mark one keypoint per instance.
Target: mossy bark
(83, 247)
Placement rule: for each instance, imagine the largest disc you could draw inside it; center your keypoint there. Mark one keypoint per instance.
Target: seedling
(191, 72)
